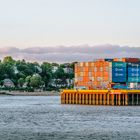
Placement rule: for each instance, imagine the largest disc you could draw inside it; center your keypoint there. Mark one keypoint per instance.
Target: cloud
(9, 50)
(62, 54)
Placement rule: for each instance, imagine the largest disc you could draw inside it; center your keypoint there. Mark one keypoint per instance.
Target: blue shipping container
(133, 79)
(118, 79)
(120, 87)
(131, 69)
(120, 74)
(118, 64)
(120, 70)
(133, 64)
(133, 74)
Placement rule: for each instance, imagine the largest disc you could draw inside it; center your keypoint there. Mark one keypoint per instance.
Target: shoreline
(18, 93)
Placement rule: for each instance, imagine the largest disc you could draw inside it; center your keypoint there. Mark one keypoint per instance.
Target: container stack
(93, 75)
(133, 72)
(119, 72)
(102, 73)
(83, 73)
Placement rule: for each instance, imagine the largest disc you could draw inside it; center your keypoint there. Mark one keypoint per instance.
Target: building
(54, 69)
(8, 83)
(68, 70)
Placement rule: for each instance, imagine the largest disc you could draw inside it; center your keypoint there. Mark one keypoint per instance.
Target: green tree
(21, 82)
(6, 71)
(8, 59)
(46, 73)
(21, 71)
(36, 81)
(27, 80)
(59, 74)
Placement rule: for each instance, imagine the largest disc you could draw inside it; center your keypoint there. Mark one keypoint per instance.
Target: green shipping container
(118, 64)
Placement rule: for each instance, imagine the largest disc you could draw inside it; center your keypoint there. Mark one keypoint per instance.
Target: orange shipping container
(105, 74)
(91, 64)
(119, 59)
(90, 68)
(97, 64)
(86, 79)
(78, 73)
(78, 69)
(105, 78)
(86, 69)
(99, 74)
(106, 63)
(93, 73)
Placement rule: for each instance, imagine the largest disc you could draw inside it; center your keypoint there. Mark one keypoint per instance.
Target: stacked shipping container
(118, 72)
(133, 72)
(100, 73)
(93, 75)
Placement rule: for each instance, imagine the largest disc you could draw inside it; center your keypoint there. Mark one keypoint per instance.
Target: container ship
(105, 82)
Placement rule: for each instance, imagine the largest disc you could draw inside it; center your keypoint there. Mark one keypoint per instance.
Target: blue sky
(28, 23)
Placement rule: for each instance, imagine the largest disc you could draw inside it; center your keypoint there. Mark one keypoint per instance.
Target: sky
(52, 23)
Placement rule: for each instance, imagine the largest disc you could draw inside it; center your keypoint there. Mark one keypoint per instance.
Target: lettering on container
(134, 65)
(119, 64)
(119, 74)
(135, 70)
(135, 74)
(117, 69)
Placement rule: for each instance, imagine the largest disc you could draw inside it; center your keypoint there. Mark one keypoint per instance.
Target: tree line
(32, 75)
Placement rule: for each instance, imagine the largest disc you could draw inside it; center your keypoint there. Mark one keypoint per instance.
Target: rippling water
(44, 118)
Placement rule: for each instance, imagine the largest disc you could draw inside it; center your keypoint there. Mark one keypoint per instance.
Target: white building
(8, 83)
(68, 70)
(54, 69)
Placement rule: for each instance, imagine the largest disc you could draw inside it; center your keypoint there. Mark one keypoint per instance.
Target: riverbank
(18, 93)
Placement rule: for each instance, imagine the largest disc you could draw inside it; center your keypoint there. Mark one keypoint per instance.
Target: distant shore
(36, 93)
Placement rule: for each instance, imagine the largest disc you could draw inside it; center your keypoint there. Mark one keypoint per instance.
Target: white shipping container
(133, 85)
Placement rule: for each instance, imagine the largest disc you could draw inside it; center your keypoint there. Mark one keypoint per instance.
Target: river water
(44, 118)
